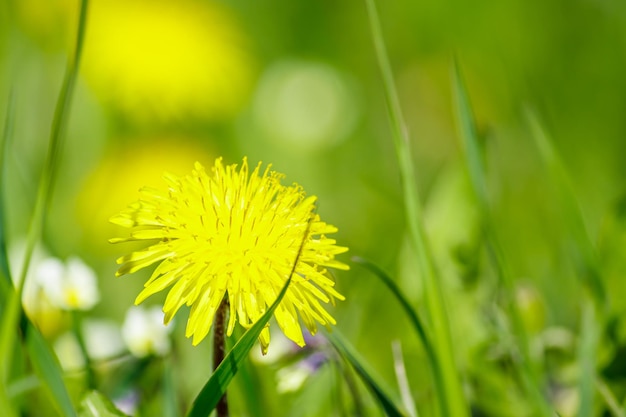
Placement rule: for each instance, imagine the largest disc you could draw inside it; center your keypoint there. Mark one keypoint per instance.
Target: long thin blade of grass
(590, 270)
(373, 383)
(403, 381)
(418, 326)
(216, 386)
(435, 305)
(609, 398)
(595, 305)
(7, 134)
(476, 167)
(42, 358)
(6, 287)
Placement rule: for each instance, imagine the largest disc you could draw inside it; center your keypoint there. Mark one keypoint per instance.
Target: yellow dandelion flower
(232, 233)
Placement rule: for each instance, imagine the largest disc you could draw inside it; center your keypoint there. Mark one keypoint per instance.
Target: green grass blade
(591, 271)
(476, 166)
(55, 147)
(41, 356)
(418, 326)
(373, 382)
(94, 404)
(403, 382)
(609, 398)
(469, 136)
(434, 299)
(217, 384)
(596, 304)
(7, 293)
(7, 134)
(404, 302)
(48, 369)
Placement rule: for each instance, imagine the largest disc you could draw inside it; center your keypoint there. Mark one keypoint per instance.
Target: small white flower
(144, 332)
(103, 339)
(69, 286)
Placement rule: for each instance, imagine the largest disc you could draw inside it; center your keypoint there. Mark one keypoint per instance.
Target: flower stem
(219, 343)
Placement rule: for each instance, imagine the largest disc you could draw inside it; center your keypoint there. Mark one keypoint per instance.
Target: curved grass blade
(591, 271)
(596, 303)
(215, 387)
(433, 293)
(417, 325)
(474, 159)
(373, 383)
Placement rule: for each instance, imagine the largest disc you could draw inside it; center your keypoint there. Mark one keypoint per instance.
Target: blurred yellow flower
(167, 59)
(153, 59)
(236, 233)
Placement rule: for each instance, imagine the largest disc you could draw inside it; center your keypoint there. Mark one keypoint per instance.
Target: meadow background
(297, 84)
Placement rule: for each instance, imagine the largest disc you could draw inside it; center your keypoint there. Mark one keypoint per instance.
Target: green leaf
(94, 404)
(373, 382)
(433, 292)
(476, 166)
(216, 386)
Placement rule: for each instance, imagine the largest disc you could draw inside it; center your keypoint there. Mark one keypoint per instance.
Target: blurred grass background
(296, 84)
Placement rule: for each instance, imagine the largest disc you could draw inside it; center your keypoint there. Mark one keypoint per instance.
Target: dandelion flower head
(233, 233)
